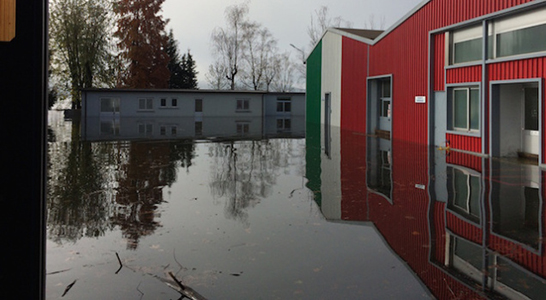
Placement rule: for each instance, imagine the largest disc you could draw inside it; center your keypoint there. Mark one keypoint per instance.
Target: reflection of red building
(448, 244)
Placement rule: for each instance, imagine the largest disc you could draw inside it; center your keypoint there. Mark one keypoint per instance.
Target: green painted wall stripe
(312, 116)
(313, 85)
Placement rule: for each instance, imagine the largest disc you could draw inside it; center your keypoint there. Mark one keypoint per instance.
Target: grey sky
(193, 21)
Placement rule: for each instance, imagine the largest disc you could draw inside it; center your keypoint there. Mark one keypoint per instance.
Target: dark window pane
(526, 40)
(465, 51)
(174, 102)
(460, 113)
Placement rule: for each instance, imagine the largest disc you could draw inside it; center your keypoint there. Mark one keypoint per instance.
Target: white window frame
(468, 111)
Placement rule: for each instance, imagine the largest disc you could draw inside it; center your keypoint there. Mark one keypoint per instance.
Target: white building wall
(331, 166)
(331, 75)
(215, 104)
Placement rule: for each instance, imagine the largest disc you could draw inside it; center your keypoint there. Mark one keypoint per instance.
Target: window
(385, 99)
(521, 34)
(174, 130)
(145, 128)
(145, 104)
(283, 124)
(284, 105)
(243, 128)
(109, 105)
(466, 109)
(198, 128)
(163, 102)
(464, 190)
(174, 102)
(162, 130)
(242, 104)
(198, 105)
(467, 45)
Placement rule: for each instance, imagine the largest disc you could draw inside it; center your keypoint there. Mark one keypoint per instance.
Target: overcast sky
(193, 21)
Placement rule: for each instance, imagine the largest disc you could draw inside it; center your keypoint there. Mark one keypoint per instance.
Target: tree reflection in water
(245, 171)
(94, 187)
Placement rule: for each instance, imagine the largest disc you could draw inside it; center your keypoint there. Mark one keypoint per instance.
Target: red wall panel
(353, 85)
(404, 54)
(463, 229)
(464, 74)
(465, 160)
(518, 69)
(463, 142)
(353, 176)
(439, 62)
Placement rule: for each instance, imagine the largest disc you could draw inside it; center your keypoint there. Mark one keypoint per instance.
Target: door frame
(494, 114)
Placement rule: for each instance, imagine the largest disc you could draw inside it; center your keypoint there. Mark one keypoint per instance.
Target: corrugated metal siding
(313, 85)
(353, 85)
(404, 53)
(439, 62)
(439, 232)
(464, 75)
(405, 223)
(463, 228)
(353, 176)
(518, 254)
(463, 142)
(465, 160)
(518, 69)
(312, 118)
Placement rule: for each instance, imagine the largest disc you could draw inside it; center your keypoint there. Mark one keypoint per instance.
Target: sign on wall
(420, 99)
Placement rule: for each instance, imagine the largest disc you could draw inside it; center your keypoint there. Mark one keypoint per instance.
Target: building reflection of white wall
(108, 128)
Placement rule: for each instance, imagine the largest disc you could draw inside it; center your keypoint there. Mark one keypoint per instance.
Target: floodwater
(252, 215)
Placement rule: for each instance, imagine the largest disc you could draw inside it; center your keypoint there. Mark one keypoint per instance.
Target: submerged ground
(268, 218)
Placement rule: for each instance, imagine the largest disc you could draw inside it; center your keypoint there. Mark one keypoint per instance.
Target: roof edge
(365, 40)
(400, 21)
(185, 91)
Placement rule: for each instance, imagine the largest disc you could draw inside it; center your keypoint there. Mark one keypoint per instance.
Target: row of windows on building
(112, 128)
(509, 36)
(147, 104)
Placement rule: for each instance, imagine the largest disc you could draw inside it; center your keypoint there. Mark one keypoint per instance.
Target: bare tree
(373, 24)
(284, 80)
(216, 76)
(260, 49)
(322, 21)
(227, 43)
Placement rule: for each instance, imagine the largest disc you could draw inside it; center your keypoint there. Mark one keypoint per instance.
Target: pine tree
(189, 71)
(176, 80)
(141, 31)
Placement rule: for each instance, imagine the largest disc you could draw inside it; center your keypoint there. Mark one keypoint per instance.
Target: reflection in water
(244, 172)
(469, 227)
(103, 185)
(466, 227)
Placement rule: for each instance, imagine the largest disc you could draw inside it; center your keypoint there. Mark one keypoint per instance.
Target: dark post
(24, 120)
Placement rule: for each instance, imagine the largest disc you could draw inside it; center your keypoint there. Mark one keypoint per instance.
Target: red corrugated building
(463, 75)
(433, 78)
